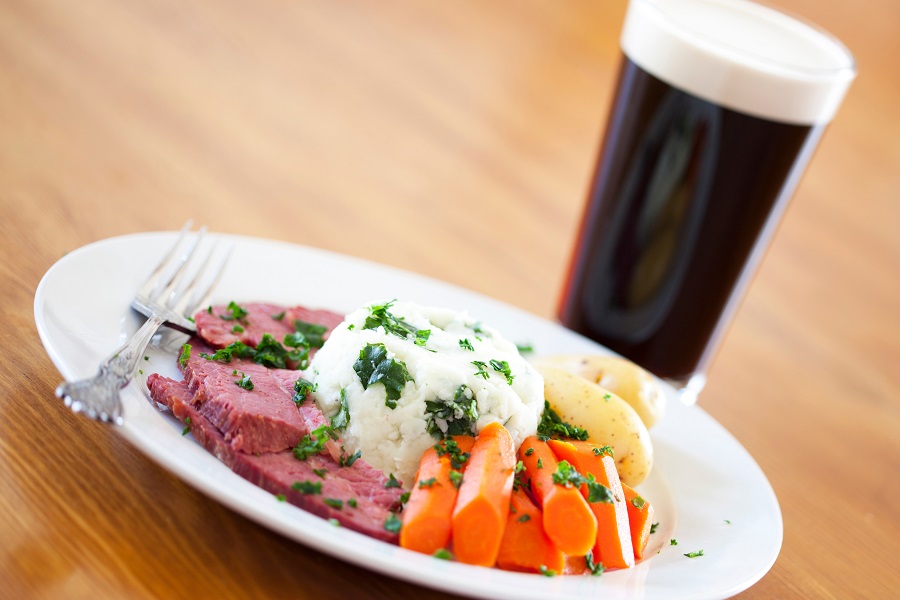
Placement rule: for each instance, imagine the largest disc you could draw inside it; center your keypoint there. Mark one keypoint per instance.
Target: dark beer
(719, 105)
(684, 191)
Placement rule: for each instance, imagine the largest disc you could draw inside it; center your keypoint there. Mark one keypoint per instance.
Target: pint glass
(718, 106)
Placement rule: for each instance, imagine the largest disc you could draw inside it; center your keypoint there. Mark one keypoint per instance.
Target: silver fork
(164, 300)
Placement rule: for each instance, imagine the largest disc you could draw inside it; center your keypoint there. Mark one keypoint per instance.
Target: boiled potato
(609, 420)
(633, 384)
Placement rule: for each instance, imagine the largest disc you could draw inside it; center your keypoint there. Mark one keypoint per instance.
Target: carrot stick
(427, 513)
(483, 504)
(613, 544)
(525, 545)
(567, 518)
(640, 516)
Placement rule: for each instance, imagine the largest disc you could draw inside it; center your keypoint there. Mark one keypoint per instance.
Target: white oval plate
(707, 491)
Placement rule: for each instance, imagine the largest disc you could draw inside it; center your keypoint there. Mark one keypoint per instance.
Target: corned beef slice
(276, 472)
(263, 419)
(217, 327)
(266, 418)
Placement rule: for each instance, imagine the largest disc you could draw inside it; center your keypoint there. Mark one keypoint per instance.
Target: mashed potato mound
(396, 377)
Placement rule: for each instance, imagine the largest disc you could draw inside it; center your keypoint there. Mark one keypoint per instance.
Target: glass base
(688, 389)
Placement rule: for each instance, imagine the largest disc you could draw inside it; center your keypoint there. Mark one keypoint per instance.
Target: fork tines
(181, 283)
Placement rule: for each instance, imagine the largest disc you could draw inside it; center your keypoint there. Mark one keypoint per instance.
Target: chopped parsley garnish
(552, 426)
(276, 356)
(320, 472)
(465, 344)
(427, 483)
(307, 487)
(341, 419)
(187, 426)
(520, 466)
(237, 329)
(295, 339)
(597, 492)
(391, 482)
(311, 332)
(520, 481)
(381, 316)
(238, 313)
(727, 522)
(452, 417)
(280, 497)
(236, 349)
(449, 447)
(653, 527)
(422, 336)
(279, 316)
(393, 523)
(673, 542)
(638, 502)
(314, 442)
(566, 475)
(603, 450)
(334, 503)
(482, 369)
(185, 355)
(347, 461)
(694, 554)
(374, 366)
(525, 348)
(456, 478)
(351, 502)
(524, 519)
(244, 382)
(547, 572)
(302, 389)
(502, 367)
(596, 568)
(443, 554)
(404, 497)
(269, 353)
(334, 522)
(529, 452)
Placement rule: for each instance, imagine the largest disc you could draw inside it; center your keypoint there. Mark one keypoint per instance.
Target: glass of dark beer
(718, 107)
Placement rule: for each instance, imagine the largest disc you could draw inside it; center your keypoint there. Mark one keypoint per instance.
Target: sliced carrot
(613, 545)
(575, 565)
(479, 517)
(567, 518)
(525, 545)
(640, 516)
(427, 513)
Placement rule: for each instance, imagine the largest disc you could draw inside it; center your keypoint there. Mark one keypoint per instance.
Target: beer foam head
(740, 55)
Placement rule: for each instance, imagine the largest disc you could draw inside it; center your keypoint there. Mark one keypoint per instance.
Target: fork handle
(98, 397)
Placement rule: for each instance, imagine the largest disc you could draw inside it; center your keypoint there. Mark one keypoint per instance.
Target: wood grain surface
(451, 139)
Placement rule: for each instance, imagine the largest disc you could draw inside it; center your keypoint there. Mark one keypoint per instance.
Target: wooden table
(449, 139)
